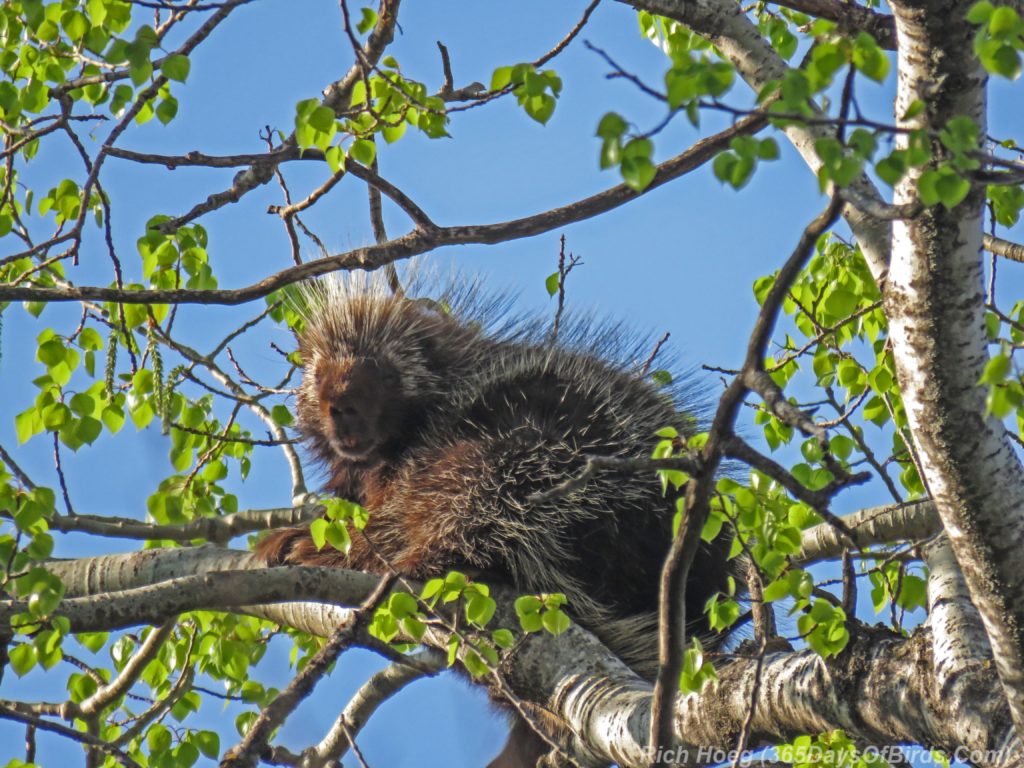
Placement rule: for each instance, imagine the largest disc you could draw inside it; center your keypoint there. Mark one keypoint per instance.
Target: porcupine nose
(349, 423)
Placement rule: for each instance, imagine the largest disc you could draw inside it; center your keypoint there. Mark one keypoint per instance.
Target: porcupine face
(368, 371)
(356, 403)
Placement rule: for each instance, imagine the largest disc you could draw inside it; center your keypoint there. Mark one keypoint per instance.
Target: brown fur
(446, 433)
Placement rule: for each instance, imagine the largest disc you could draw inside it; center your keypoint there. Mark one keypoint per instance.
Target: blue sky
(682, 259)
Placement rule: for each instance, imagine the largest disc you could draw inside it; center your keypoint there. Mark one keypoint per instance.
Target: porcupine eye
(359, 399)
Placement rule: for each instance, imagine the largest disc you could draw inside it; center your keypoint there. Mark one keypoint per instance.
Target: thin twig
(413, 243)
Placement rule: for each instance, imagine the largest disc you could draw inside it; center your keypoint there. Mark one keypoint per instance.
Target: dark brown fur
(445, 433)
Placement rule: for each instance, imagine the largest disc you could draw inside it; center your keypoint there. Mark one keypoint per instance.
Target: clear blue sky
(681, 259)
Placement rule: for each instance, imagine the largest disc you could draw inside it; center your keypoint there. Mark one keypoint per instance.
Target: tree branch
(411, 244)
(672, 606)
(913, 521)
(880, 691)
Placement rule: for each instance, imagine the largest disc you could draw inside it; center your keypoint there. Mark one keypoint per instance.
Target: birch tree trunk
(935, 302)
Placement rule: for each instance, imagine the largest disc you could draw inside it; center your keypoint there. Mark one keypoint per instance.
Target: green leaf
(414, 627)
(281, 415)
(368, 20)
(167, 110)
(891, 169)
(22, 658)
(393, 133)
(540, 107)
(89, 338)
(88, 429)
(318, 532)
(876, 411)
(841, 445)
(638, 173)
(768, 149)
(337, 536)
(158, 737)
(335, 156)
(1000, 58)
(869, 58)
(503, 638)
(321, 118)
(722, 613)
(551, 283)
(913, 592)
(637, 169)
(141, 72)
(980, 12)
(480, 609)
(612, 126)
(363, 151)
(113, 418)
(661, 377)
(996, 370)
(403, 604)
(943, 185)
(1003, 20)
(840, 303)
(502, 76)
(75, 24)
(27, 424)
(555, 622)
(142, 414)
(51, 353)
(777, 590)
(94, 641)
(176, 67)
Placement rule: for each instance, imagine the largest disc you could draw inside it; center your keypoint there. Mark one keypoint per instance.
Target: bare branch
(70, 733)
(1004, 248)
(218, 530)
(411, 244)
(378, 689)
(246, 754)
(107, 694)
(672, 607)
(18, 472)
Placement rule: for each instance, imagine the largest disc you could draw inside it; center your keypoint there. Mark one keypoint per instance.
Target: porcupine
(445, 428)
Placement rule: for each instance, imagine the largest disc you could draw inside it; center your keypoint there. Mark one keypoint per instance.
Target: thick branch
(850, 17)
(218, 591)
(724, 23)
(215, 529)
(935, 302)
(958, 636)
(869, 527)
(1004, 248)
(880, 691)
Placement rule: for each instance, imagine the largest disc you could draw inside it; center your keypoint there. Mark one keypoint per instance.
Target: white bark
(958, 636)
(725, 24)
(378, 689)
(876, 525)
(881, 691)
(935, 303)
